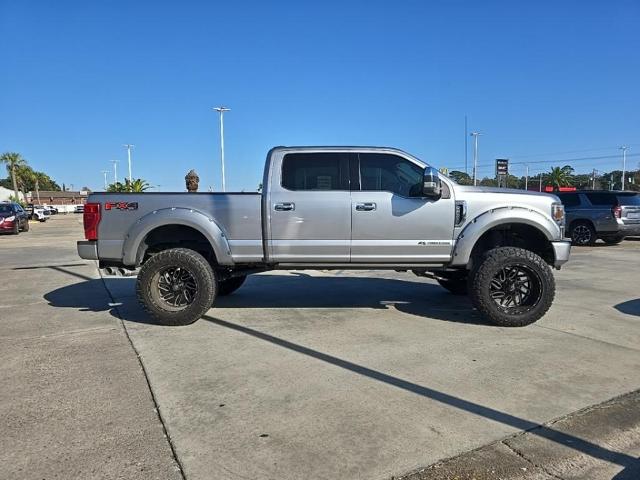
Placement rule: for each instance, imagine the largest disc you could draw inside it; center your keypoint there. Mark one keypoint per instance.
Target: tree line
(21, 177)
(558, 177)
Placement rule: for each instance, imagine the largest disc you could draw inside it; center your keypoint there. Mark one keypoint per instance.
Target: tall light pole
(104, 172)
(526, 178)
(115, 170)
(129, 147)
(475, 136)
(221, 110)
(624, 149)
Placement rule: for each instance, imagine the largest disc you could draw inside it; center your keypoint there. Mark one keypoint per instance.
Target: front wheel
(512, 287)
(176, 286)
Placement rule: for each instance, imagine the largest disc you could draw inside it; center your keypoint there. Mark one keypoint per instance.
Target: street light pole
(104, 173)
(221, 110)
(475, 136)
(115, 170)
(526, 178)
(624, 149)
(129, 147)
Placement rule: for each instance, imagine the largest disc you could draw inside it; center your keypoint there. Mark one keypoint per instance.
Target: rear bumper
(561, 252)
(630, 229)
(88, 249)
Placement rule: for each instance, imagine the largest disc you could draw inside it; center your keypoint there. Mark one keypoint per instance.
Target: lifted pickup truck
(334, 208)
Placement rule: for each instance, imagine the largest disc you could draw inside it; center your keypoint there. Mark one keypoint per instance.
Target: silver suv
(610, 215)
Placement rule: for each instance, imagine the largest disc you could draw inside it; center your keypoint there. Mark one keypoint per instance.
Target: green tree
(138, 185)
(13, 161)
(560, 176)
(461, 178)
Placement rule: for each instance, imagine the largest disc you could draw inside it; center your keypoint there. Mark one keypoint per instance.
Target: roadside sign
(502, 166)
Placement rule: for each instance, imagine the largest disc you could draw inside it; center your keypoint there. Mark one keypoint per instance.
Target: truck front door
(391, 221)
(309, 208)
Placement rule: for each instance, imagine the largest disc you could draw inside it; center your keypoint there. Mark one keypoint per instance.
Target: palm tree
(560, 176)
(13, 161)
(138, 185)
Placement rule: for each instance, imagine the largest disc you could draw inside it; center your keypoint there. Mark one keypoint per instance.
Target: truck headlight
(557, 213)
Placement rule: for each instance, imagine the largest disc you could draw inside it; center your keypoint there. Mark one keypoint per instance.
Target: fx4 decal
(121, 206)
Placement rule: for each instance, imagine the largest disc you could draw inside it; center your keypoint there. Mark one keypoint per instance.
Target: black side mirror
(431, 184)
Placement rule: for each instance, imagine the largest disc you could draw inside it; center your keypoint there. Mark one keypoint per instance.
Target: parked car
(51, 209)
(13, 218)
(79, 209)
(334, 208)
(40, 213)
(610, 215)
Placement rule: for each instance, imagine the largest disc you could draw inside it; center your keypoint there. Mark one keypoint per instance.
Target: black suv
(607, 214)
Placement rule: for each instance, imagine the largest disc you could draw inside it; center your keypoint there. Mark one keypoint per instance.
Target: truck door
(309, 208)
(391, 221)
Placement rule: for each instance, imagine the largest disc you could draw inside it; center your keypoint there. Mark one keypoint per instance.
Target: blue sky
(542, 80)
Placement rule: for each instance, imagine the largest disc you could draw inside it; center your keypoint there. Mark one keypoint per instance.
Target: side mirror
(431, 185)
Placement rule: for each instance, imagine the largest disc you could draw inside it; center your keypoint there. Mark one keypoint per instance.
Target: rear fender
(176, 216)
(474, 229)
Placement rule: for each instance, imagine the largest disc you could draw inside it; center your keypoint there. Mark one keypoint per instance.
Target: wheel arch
(507, 226)
(176, 227)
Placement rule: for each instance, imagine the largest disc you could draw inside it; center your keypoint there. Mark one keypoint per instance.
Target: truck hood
(503, 191)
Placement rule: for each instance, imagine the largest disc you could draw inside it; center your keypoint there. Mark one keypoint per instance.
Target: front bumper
(561, 252)
(630, 229)
(88, 249)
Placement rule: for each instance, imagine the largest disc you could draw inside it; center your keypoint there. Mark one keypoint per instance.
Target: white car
(40, 213)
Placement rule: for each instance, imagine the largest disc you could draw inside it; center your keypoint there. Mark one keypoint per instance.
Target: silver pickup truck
(334, 208)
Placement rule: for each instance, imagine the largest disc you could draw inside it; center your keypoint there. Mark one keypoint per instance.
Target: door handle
(365, 207)
(284, 207)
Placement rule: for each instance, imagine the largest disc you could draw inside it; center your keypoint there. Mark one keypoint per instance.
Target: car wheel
(613, 240)
(582, 234)
(176, 286)
(512, 287)
(227, 287)
(16, 227)
(26, 226)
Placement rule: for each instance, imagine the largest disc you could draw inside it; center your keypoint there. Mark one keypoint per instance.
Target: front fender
(484, 222)
(176, 216)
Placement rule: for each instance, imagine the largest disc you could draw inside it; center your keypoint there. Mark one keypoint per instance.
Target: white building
(5, 193)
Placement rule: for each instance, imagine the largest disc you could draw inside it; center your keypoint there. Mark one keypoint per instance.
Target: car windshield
(633, 199)
(6, 210)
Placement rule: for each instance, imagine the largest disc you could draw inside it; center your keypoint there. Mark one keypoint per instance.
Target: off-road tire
(613, 240)
(493, 262)
(227, 287)
(582, 234)
(148, 290)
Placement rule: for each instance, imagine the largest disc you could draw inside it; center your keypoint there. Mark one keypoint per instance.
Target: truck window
(315, 171)
(390, 173)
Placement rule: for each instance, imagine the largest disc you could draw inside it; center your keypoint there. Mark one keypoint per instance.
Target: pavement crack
(529, 461)
(172, 446)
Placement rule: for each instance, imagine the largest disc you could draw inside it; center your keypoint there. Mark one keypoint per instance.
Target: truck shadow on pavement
(631, 307)
(287, 291)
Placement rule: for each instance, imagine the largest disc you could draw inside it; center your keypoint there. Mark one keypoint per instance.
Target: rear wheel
(227, 287)
(512, 287)
(582, 233)
(176, 286)
(613, 240)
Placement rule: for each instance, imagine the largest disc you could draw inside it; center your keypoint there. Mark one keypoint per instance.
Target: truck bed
(237, 214)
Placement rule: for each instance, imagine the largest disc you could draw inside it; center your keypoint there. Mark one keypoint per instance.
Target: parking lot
(310, 374)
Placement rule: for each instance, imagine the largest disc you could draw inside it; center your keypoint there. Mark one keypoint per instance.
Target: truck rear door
(308, 207)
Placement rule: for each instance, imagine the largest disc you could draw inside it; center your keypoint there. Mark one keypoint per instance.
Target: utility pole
(466, 141)
(526, 177)
(624, 149)
(115, 170)
(593, 180)
(129, 147)
(540, 181)
(475, 136)
(221, 111)
(104, 173)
